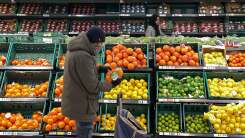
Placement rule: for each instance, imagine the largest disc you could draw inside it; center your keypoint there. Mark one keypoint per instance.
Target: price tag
(220, 135)
(47, 40)
(214, 14)
(60, 133)
(148, 15)
(178, 15)
(124, 14)
(15, 133)
(161, 133)
(52, 133)
(161, 100)
(69, 133)
(169, 67)
(106, 101)
(170, 100)
(202, 15)
(140, 101)
(45, 15)
(21, 14)
(211, 68)
(3, 99)
(145, 102)
(47, 34)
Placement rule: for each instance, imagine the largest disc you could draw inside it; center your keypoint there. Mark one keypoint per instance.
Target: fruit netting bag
(127, 126)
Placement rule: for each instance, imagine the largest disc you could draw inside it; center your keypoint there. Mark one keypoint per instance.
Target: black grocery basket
(126, 124)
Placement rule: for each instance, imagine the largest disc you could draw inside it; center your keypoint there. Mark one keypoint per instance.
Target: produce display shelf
(27, 68)
(197, 135)
(23, 99)
(171, 100)
(21, 133)
(201, 68)
(125, 101)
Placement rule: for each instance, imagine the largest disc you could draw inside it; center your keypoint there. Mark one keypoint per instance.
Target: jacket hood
(82, 43)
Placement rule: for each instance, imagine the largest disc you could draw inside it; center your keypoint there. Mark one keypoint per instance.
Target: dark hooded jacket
(81, 83)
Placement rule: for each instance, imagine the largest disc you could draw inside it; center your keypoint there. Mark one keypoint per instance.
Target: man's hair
(96, 35)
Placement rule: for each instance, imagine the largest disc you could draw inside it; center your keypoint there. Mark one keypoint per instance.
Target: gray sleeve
(87, 75)
(150, 31)
(161, 32)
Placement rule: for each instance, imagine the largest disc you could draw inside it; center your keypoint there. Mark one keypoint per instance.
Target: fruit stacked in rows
(31, 26)
(236, 60)
(185, 27)
(108, 122)
(236, 25)
(133, 26)
(59, 84)
(211, 27)
(31, 8)
(7, 8)
(55, 120)
(214, 58)
(78, 9)
(56, 26)
(132, 89)
(2, 60)
(168, 122)
(133, 9)
(227, 119)
(164, 9)
(62, 61)
(196, 124)
(210, 8)
(56, 9)
(233, 7)
(176, 56)
(24, 90)
(188, 86)
(7, 26)
(109, 26)
(30, 62)
(227, 87)
(11, 121)
(81, 26)
(122, 56)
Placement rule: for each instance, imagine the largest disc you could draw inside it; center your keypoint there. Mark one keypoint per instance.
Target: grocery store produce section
(175, 86)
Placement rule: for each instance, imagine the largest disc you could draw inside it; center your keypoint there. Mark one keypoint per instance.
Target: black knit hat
(96, 35)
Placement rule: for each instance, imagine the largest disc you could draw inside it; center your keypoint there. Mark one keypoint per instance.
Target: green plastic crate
(32, 51)
(4, 50)
(3, 38)
(25, 108)
(138, 76)
(57, 76)
(180, 75)
(144, 47)
(194, 46)
(237, 76)
(162, 108)
(135, 110)
(61, 51)
(195, 109)
(20, 39)
(26, 77)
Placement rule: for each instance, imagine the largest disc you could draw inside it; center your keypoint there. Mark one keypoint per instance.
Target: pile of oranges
(30, 62)
(62, 61)
(55, 120)
(59, 86)
(181, 55)
(121, 56)
(236, 60)
(9, 121)
(24, 90)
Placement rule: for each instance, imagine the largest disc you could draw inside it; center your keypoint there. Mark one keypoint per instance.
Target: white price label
(124, 14)
(178, 15)
(220, 135)
(47, 40)
(145, 102)
(3, 99)
(211, 67)
(201, 14)
(163, 15)
(47, 34)
(60, 133)
(69, 133)
(52, 133)
(21, 14)
(214, 14)
(45, 15)
(148, 15)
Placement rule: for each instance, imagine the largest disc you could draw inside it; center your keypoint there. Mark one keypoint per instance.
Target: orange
(48, 128)
(66, 120)
(162, 62)
(54, 126)
(173, 58)
(165, 48)
(195, 57)
(61, 124)
(108, 59)
(143, 61)
(50, 121)
(72, 123)
(167, 53)
(116, 59)
(120, 55)
(45, 119)
(108, 52)
(125, 62)
(130, 59)
(60, 116)
(170, 63)
(120, 72)
(178, 49)
(158, 58)
(131, 66)
(135, 54)
(130, 51)
(172, 50)
(165, 58)
(113, 65)
(140, 56)
(176, 54)
(125, 55)
(115, 50)
(184, 58)
(138, 50)
(67, 128)
(176, 63)
(57, 91)
(159, 50)
(120, 63)
(184, 50)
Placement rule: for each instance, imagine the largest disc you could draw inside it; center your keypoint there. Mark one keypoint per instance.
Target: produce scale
(188, 83)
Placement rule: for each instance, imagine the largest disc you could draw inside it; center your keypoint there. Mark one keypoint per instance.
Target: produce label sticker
(60, 133)
(47, 40)
(45, 15)
(220, 135)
